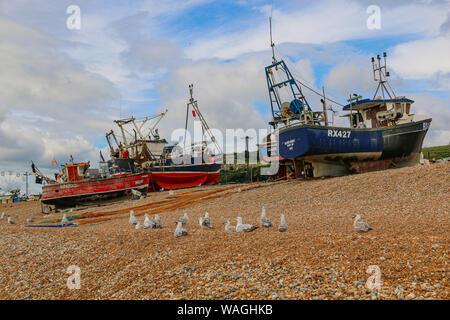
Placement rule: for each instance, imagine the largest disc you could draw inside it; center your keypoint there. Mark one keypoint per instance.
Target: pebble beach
(320, 256)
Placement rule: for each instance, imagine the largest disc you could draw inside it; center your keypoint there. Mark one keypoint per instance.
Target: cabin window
(408, 108)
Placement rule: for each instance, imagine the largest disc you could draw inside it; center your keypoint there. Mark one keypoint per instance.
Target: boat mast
(205, 128)
(381, 81)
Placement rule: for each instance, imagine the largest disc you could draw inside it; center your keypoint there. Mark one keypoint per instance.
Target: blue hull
(345, 146)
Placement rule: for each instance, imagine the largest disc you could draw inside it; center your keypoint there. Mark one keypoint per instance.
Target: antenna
(334, 112)
(381, 75)
(271, 41)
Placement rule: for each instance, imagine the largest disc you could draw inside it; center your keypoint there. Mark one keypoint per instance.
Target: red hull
(177, 180)
(212, 178)
(54, 192)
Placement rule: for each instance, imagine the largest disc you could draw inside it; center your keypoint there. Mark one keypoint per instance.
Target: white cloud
(348, 78)
(424, 59)
(226, 93)
(319, 23)
(36, 76)
(439, 110)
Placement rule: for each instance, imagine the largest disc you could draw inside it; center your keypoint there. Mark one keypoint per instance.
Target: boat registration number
(68, 186)
(139, 181)
(339, 134)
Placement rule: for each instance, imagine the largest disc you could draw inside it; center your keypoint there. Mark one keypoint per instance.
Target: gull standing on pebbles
(265, 222)
(10, 220)
(180, 231)
(139, 226)
(205, 222)
(148, 224)
(133, 219)
(229, 227)
(184, 220)
(360, 226)
(244, 227)
(3, 216)
(283, 225)
(64, 220)
(157, 222)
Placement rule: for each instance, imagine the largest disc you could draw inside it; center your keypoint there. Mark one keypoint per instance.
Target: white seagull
(10, 220)
(283, 225)
(360, 226)
(3, 216)
(133, 219)
(205, 222)
(148, 224)
(64, 220)
(139, 226)
(264, 221)
(180, 231)
(157, 222)
(229, 227)
(244, 227)
(184, 220)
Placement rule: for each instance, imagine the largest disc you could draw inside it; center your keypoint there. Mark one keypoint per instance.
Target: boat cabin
(75, 171)
(378, 112)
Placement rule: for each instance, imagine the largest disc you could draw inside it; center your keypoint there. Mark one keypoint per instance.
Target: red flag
(53, 162)
(193, 113)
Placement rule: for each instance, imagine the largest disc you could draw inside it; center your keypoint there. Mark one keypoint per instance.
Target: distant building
(6, 198)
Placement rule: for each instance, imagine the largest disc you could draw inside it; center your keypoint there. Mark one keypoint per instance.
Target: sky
(61, 88)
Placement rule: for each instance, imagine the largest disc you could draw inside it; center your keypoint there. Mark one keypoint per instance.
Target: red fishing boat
(77, 185)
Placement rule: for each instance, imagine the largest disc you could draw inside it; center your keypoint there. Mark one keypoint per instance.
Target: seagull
(29, 220)
(283, 225)
(64, 220)
(265, 222)
(148, 224)
(139, 226)
(205, 222)
(10, 220)
(180, 231)
(3, 216)
(360, 226)
(228, 227)
(239, 189)
(157, 222)
(133, 219)
(244, 227)
(184, 220)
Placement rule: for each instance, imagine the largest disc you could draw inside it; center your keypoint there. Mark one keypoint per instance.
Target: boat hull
(183, 176)
(334, 151)
(69, 193)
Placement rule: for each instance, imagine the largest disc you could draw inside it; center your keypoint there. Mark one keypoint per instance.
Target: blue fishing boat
(382, 131)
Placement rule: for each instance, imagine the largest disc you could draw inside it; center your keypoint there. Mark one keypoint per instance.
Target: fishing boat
(169, 166)
(77, 185)
(382, 131)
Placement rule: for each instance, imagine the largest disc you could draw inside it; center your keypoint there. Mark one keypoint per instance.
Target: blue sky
(61, 89)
